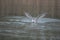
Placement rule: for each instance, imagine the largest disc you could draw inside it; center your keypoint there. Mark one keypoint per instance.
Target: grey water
(26, 29)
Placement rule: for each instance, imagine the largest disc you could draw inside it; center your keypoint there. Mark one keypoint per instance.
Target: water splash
(34, 19)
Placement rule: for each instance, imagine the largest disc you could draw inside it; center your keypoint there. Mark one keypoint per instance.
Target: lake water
(17, 28)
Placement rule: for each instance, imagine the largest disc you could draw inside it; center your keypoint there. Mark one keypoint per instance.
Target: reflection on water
(21, 30)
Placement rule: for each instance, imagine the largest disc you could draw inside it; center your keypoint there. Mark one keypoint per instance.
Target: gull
(34, 19)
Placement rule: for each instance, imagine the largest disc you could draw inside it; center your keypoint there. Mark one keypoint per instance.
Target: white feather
(42, 15)
(28, 15)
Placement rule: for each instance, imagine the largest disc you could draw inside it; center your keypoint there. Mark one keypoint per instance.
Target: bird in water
(34, 19)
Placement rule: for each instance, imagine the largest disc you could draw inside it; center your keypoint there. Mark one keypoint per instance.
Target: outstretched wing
(28, 15)
(42, 15)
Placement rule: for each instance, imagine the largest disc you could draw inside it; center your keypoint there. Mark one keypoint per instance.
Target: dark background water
(35, 7)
